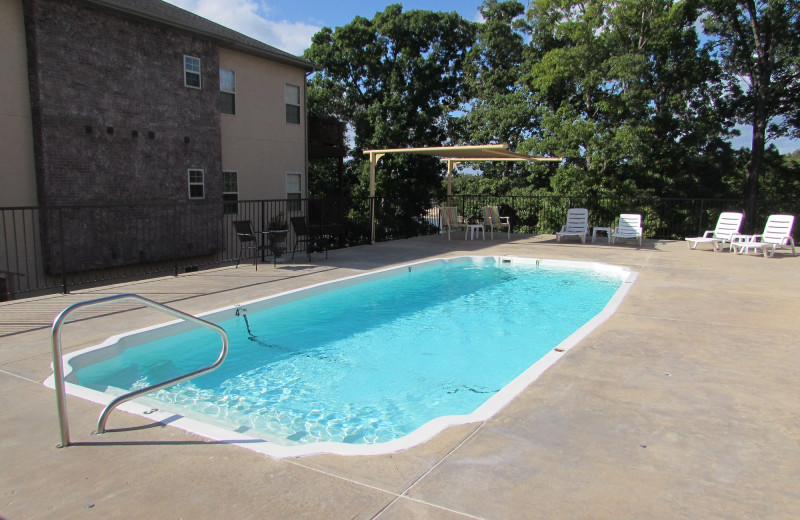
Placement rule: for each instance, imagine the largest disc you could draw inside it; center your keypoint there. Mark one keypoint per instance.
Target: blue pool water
(371, 362)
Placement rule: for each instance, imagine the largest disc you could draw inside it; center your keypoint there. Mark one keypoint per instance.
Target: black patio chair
(313, 241)
(247, 240)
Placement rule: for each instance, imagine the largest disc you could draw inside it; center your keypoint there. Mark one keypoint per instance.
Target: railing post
(64, 289)
(372, 220)
(263, 227)
(174, 243)
(700, 220)
(58, 379)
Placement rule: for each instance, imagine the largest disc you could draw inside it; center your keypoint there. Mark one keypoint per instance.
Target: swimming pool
(384, 360)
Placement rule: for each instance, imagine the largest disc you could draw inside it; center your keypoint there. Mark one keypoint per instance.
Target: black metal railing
(50, 249)
(669, 218)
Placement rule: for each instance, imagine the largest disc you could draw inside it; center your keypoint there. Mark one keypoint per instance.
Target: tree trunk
(759, 122)
(753, 172)
(760, 81)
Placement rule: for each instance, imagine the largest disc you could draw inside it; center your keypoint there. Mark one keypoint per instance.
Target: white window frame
(291, 103)
(195, 182)
(187, 71)
(225, 191)
(294, 195)
(227, 91)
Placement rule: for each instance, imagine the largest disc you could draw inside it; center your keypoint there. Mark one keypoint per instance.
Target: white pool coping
(148, 408)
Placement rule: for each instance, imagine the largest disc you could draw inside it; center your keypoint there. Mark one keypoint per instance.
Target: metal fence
(45, 250)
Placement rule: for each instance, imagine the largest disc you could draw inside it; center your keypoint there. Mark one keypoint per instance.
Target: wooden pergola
(452, 155)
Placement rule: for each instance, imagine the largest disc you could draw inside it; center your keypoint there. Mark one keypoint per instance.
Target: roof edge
(274, 55)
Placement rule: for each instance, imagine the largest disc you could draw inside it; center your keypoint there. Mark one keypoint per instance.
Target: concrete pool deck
(684, 404)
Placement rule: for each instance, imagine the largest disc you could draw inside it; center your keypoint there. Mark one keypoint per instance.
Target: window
(196, 184)
(230, 192)
(191, 72)
(227, 91)
(292, 98)
(293, 191)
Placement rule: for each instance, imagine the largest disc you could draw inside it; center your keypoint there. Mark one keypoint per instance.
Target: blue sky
(289, 25)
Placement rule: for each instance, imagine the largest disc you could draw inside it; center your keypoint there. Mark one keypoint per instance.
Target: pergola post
(451, 163)
(374, 157)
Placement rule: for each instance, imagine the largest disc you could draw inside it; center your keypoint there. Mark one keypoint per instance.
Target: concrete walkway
(684, 404)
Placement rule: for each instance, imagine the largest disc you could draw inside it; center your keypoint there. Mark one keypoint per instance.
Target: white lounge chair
(577, 225)
(450, 220)
(777, 233)
(630, 226)
(492, 219)
(728, 225)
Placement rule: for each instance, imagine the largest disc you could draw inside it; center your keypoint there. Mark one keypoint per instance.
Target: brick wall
(114, 123)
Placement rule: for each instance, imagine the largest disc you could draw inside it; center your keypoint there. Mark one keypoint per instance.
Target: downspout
(305, 134)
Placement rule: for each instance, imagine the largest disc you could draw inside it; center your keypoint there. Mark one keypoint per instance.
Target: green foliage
(623, 92)
(323, 178)
(781, 176)
(758, 41)
(498, 109)
(395, 80)
(636, 98)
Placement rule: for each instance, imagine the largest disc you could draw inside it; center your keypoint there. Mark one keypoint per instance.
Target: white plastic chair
(728, 225)
(630, 226)
(577, 225)
(777, 233)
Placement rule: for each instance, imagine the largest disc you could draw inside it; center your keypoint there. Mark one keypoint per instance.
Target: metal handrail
(58, 365)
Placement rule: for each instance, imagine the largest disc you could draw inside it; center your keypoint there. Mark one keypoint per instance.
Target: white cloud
(251, 18)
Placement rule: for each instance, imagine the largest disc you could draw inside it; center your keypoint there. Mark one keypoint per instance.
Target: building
(112, 102)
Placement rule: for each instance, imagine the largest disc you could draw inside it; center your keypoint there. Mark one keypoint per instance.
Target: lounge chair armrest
(708, 233)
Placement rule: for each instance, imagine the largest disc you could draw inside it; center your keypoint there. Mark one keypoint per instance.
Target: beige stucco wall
(17, 167)
(257, 142)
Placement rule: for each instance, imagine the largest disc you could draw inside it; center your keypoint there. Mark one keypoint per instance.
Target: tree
(626, 93)
(395, 80)
(757, 42)
(499, 108)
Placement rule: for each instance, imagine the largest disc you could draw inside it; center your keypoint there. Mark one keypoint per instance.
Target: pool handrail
(58, 364)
